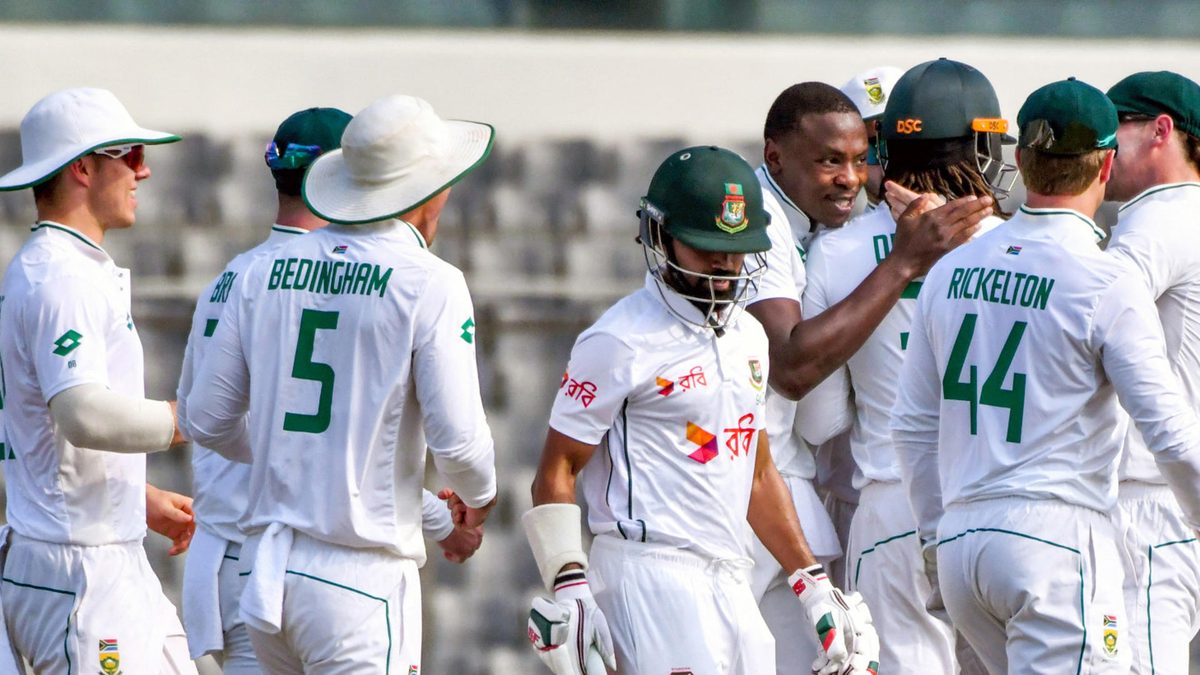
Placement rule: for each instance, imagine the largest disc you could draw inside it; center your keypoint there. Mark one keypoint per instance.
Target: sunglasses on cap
(134, 155)
(295, 156)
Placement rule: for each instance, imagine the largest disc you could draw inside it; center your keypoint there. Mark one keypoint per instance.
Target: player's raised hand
(925, 231)
(461, 543)
(170, 514)
(570, 633)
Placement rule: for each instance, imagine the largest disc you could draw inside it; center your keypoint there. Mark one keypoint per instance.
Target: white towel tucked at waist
(9, 661)
(265, 557)
(201, 596)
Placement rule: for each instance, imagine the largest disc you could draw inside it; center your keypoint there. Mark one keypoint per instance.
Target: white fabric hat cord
(68, 124)
(396, 154)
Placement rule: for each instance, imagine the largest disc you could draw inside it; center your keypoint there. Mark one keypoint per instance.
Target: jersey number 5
(993, 394)
(304, 368)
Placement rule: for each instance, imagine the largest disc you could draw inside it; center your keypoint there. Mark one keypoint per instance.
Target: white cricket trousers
(76, 610)
(672, 611)
(345, 612)
(1162, 578)
(1035, 586)
(885, 564)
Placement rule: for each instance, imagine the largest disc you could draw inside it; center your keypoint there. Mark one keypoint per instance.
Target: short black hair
(806, 98)
(289, 181)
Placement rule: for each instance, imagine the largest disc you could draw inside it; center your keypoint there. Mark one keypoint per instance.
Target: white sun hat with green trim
(396, 155)
(68, 124)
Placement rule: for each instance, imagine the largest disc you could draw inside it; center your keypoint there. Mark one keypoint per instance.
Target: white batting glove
(569, 633)
(935, 605)
(865, 658)
(831, 617)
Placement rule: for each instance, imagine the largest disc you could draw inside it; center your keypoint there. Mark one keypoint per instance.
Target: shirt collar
(1065, 225)
(1165, 191)
(406, 229)
(73, 237)
(283, 232)
(799, 220)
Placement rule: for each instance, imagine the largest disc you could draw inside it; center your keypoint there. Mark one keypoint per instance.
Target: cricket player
(869, 90)
(814, 150)
(211, 584)
(884, 560)
(1157, 175)
(353, 349)
(1006, 421)
(673, 378)
(77, 592)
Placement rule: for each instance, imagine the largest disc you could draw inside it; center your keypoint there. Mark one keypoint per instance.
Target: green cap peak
(1069, 117)
(1159, 93)
(709, 198)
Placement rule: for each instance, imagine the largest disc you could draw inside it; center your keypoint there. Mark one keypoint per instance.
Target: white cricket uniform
(1158, 232)
(211, 584)
(681, 410)
(343, 346)
(883, 560)
(789, 231)
(77, 590)
(1007, 414)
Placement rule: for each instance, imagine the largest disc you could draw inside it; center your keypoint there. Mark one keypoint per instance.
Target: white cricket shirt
(345, 344)
(680, 410)
(220, 486)
(1021, 343)
(859, 395)
(66, 322)
(1159, 232)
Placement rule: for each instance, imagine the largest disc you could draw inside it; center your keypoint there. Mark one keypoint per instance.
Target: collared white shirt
(66, 322)
(345, 345)
(859, 395)
(220, 486)
(1021, 343)
(1159, 232)
(680, 409)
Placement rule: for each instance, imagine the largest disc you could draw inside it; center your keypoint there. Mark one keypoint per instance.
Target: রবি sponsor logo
(694, 379)
(584, 392)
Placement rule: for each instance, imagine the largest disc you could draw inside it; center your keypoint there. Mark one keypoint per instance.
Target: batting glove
(935, 605)
(569, 633)
(831, 617)
(865, 658)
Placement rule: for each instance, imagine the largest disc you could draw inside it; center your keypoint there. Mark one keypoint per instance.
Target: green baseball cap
(1158, 93)
(299, 140)
(1068, 118)
(709, 198)
(942, 99)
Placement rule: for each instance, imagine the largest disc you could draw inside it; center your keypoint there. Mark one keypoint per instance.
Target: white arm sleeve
(435, 517)
(92, 416)
(1129, 336)
(220, 394)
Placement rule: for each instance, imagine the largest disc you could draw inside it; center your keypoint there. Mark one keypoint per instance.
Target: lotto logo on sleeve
(66, 343)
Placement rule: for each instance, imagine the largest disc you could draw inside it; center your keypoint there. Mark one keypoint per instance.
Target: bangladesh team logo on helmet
(709, 199)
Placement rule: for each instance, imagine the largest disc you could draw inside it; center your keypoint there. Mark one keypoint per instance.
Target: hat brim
(755, 241)
(35, 173)
(334, 195)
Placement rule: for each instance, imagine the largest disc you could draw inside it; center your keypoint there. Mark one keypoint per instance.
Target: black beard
(696, 287)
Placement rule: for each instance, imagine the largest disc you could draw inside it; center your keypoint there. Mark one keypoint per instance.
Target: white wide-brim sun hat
(68, 124)
(396, 154)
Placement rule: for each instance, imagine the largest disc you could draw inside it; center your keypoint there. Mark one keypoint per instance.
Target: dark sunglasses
(294, 156)
(134, 155)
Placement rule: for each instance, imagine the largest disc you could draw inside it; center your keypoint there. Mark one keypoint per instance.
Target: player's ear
(1107, 167)
(771, 153)
(1163, 126)
(80, 171)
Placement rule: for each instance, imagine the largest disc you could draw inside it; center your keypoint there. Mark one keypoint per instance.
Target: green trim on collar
(73, 233)
(1154, 190)
(416, 233)
(287, 229)
(1029, 210)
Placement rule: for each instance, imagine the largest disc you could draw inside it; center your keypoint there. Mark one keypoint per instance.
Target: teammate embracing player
(672, 379)
(930, 145)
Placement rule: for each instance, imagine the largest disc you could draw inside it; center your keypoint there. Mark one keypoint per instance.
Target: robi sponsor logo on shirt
(738, 440)
(694, 379)
(582, 391)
